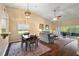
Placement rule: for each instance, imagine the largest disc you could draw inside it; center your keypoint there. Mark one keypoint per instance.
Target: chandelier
(27, 12)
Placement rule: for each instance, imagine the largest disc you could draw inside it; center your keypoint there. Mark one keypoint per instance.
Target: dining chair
(33, 42)
(24, 37)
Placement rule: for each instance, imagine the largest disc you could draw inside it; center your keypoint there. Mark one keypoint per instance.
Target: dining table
(32, 39)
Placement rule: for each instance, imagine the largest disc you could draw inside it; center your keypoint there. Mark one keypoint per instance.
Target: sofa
(47, 37)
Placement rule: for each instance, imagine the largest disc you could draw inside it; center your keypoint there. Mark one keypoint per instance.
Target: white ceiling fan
(55, 15)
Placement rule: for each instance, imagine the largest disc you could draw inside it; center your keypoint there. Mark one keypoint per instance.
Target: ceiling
(46, 10)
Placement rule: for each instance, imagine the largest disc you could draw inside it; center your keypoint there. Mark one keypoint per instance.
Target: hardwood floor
(68, 49)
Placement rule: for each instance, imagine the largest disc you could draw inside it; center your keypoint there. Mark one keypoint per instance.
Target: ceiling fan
(55, 16)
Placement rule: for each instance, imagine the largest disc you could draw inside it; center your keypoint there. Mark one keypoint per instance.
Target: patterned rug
(63, 41)
(16, 50)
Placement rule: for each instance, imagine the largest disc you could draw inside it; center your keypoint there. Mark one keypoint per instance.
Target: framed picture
(41, 26)
(46, 27)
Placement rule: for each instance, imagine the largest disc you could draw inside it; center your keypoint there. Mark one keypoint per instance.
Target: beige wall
(17, 16)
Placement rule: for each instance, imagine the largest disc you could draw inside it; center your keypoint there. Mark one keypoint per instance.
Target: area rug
(16, 50)
(63, 41)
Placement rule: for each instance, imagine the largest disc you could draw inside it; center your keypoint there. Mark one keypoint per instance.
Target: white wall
(3, 46)
(3, 42)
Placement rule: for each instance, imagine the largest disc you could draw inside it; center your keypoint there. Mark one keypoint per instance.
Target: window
(65, 29)
(23, 28)
(72, 28)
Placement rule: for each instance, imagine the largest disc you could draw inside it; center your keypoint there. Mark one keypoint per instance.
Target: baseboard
(15, 41)
(7, 50)
(46, 42)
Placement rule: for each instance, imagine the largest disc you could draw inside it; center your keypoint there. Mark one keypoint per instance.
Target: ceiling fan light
(55, 19)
